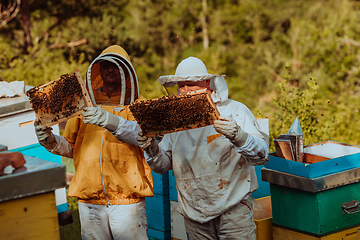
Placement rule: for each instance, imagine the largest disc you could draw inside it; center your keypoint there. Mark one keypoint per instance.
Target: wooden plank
(175, 113)
(60, 99)
(280, 233)
(31, 218)
(284, 234)
(311, 158)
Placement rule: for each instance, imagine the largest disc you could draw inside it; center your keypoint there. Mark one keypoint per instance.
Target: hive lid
(37, 176)
(14, 105)
(312, 185)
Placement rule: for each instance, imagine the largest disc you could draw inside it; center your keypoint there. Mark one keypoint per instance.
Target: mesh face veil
(193, 69)
(93, 80)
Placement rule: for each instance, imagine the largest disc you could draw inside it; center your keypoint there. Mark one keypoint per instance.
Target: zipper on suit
(101, 168)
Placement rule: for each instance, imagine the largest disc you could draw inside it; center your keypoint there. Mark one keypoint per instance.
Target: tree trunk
(204, 25)
(25, 22)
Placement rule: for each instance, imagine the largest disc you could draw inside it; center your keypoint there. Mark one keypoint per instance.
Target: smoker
(291, 145)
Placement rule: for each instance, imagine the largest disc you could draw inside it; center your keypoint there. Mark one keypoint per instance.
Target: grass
(72, 231)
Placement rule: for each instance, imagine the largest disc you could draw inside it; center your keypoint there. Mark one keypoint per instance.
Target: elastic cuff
(63, 147)
(112, 122)
(50, 142)
(240, 138)
(154, 152)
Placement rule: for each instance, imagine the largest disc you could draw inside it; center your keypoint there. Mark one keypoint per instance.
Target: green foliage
(254, 43)
(292, 102)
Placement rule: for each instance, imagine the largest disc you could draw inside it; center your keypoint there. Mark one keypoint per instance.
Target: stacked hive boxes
(18, 135)
(317, 200)
(27, 200)
(158, 209)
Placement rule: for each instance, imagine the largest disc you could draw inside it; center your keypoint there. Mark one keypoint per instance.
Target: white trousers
(114, 222)
(236, 223)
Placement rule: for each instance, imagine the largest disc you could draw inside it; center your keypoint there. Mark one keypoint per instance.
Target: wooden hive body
(175, 113)
(60, 99)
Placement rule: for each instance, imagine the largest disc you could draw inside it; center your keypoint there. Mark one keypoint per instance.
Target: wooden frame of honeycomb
(175, 113)
(60, 99)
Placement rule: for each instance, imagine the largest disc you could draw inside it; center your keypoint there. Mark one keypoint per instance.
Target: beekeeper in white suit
(213, 165)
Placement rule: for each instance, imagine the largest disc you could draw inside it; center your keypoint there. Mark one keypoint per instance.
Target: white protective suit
(212, 175)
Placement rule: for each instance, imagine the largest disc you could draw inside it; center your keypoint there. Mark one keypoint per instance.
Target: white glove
(149, 145)
(100, 117)
(44, 135)
(229, 128)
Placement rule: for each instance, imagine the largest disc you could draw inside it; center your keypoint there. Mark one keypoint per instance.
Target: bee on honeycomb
(174, 113)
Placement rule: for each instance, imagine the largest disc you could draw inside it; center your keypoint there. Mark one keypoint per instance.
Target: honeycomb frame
(52, 107)
(175, 113)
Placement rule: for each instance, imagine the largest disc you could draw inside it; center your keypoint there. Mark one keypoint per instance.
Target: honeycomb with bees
(174, 113)
(59, 99)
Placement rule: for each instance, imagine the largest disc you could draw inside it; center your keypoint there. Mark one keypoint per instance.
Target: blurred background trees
(281, 58)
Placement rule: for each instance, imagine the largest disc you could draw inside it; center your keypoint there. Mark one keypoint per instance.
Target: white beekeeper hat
(193, 69)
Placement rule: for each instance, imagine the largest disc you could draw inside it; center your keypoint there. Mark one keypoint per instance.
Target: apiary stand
(27, 200)
(316, 199)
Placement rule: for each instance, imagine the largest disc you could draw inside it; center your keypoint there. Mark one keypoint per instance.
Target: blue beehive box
(320, 195)
(38, 151)
(326, 158)
(264, 187)
(158, 209)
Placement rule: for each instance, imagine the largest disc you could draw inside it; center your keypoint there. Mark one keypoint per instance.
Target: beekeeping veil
(120, 58)
(193, 69)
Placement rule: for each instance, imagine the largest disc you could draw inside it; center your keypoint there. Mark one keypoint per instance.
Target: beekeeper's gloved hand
(100, 117)
(148, 144)
(44, 135)
(229, 128)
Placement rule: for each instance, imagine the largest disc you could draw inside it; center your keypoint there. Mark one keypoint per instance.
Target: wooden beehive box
(175, 113)
(60, 99)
